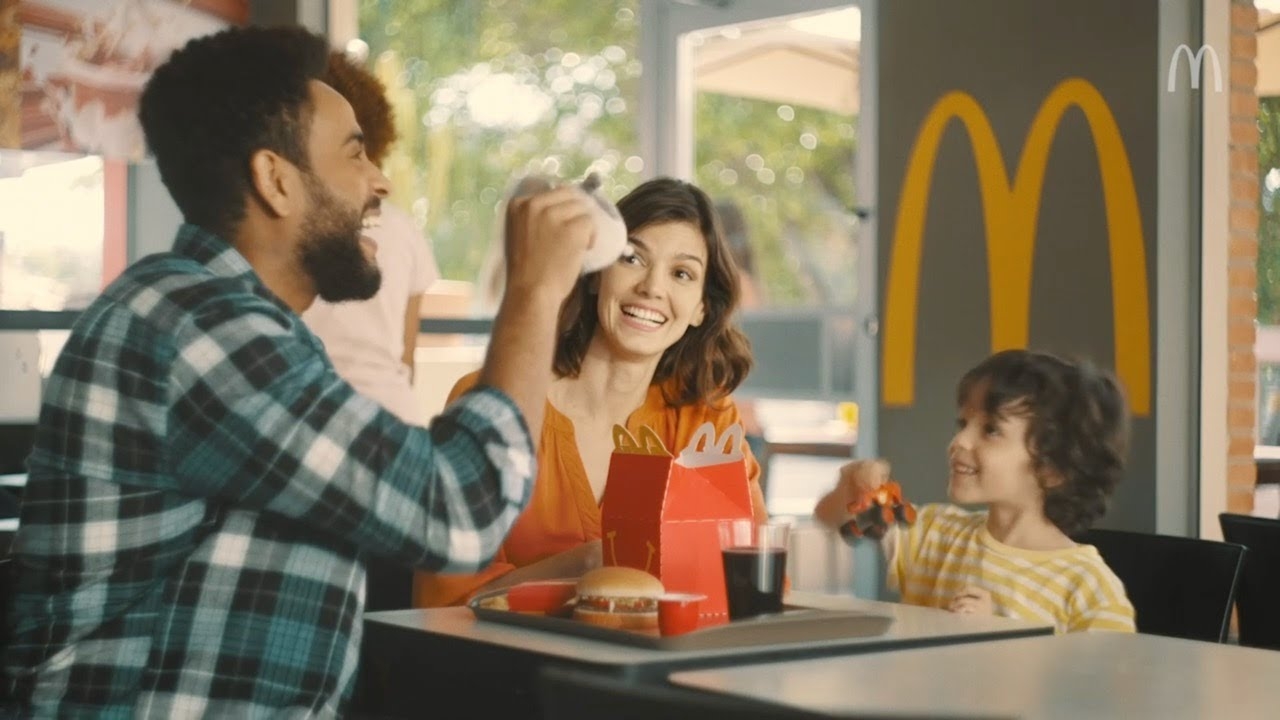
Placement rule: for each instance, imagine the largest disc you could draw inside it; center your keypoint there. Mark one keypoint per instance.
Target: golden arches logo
(1011, 210)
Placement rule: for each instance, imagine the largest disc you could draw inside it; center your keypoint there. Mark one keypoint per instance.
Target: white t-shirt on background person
(365, 339)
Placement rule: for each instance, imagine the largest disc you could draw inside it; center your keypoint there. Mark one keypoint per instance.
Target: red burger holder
(660, 512)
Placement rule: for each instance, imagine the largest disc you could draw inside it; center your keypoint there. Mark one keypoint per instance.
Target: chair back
(6, 594)
(1258, 598)
(388, 585)
(1180, 587)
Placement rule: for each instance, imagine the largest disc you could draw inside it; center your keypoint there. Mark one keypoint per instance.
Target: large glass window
(52, 226)
(775, 137)
(486, 92)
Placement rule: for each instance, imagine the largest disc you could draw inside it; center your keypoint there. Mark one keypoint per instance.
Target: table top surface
(911, 626)
(1080, 675)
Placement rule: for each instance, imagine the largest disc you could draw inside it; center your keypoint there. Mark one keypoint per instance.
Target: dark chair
(16, 440)
(9, 505)
(6, 593)
(1258, 599)
(388, 586)
(1180, 587)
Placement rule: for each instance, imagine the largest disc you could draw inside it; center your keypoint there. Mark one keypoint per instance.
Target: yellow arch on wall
(1011, 211)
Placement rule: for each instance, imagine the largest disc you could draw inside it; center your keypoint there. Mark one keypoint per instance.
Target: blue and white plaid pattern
(203, 491)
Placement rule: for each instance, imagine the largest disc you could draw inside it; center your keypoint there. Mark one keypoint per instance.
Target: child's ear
(1050, 478)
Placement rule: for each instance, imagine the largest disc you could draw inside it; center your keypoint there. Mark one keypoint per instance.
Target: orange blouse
(562, 513)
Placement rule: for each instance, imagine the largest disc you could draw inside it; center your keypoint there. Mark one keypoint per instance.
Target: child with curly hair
(1040, 442)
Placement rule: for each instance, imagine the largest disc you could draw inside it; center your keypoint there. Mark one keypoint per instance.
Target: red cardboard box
(660, 513)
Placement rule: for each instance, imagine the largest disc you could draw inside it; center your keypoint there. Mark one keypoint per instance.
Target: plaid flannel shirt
(203, 491)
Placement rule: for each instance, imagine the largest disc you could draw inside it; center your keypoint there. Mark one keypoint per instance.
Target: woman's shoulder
(553, 420)
(721, 413)
(677, 423)
(463, 384)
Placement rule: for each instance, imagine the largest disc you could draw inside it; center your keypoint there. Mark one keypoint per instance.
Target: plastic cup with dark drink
(755, 562)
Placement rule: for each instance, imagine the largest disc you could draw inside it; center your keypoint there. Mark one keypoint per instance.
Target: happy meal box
(660, 513)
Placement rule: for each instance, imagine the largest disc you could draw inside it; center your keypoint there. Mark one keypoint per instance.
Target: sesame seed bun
(618, 597)
(616, 581)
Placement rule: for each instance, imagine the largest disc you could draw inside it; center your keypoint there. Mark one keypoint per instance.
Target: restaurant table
(413, 659)
(1078, 675)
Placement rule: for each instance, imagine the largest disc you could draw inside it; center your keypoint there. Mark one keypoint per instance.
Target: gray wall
(1009, 54)
(153, 216)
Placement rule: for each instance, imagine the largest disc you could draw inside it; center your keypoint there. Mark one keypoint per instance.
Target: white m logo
(1194, 59)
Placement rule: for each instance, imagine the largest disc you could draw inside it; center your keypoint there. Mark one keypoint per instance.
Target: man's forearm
(521, 347)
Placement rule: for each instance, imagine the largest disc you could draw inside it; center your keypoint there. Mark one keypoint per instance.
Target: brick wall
(9, 98)
(1242, 257)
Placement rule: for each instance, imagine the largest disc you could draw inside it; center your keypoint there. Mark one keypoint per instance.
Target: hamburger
(618, 597)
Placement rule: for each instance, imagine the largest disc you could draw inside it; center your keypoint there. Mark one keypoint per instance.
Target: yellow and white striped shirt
(948, 548)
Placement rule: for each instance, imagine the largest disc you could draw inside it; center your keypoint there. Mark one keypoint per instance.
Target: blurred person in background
(734, 225)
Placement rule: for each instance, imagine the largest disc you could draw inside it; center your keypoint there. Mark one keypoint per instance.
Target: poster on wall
(84, 64)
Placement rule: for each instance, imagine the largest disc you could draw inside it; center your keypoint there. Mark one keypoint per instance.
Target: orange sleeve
(465, 383)
(439, 589)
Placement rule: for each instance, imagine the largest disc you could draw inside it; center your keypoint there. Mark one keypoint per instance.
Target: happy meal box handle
(705, 449)
(730, 442)
(649, 444)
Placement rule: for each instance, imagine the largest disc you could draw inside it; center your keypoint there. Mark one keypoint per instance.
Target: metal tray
(794, 625)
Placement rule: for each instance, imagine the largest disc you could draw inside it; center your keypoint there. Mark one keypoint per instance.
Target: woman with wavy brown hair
(650, 340)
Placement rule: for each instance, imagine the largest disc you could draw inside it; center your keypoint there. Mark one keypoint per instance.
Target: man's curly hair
(1077, 427)
(218, 100)
(368, 97)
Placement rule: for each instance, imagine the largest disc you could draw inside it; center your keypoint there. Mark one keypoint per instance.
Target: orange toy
(875, 512)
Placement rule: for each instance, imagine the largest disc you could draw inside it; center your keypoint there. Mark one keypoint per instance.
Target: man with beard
(204, 490)
(371, 342)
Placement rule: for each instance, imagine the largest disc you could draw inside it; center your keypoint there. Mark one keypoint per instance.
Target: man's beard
(330, 249)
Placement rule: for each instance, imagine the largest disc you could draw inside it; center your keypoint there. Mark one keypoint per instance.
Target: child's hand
(857, 480)
(862, 478)
(972, 600)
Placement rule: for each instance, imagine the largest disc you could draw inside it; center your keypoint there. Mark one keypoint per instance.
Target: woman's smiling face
(647, 301)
